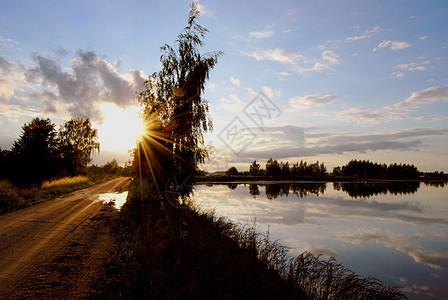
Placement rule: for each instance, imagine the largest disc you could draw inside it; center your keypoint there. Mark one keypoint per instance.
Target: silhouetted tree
(232, 171)
(255, 169)
(337, 171)
(77, 142)
(284, 170)
(5, 163)
(173, 108)
(363, 168)
(35, 153)
(273, 168)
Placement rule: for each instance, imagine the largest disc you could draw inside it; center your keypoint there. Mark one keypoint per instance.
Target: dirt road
(57, 249)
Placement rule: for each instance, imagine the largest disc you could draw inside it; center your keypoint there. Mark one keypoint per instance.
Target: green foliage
(173, 106)
(77, 142)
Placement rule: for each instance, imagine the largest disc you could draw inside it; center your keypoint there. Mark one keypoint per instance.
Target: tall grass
(311, 274)
(65, 181)
(157, 257)
(328, 279)
(13, 198)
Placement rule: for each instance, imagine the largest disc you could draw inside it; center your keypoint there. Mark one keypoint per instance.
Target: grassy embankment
(158, 256)
(13, 198)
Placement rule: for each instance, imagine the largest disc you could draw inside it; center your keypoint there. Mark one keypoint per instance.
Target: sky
(313, 80)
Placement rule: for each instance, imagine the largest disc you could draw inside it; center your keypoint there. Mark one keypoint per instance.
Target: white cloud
(78, 89)
(297, 62)
(412, 66)
(400, 242)
(384, 44)
(201, 8)
(398, 74)
(419, 68)
(422, 38)
(252, 92)
(331, 57)
(235, 81)
(5, 66)
(262, 34)
(283, 73)
(6, 91)
(317, 67)
(420, 98)
(7, 41)
(394, 45)
(309, 101)
(402, 66)
(398, 110)
(358, 116)
(212, 87)
(232, 103)
(365, 35)
(279, 55)
(268, 91)
(431, 118)
(267, 32)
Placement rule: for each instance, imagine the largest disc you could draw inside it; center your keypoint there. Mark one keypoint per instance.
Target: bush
(10, 199)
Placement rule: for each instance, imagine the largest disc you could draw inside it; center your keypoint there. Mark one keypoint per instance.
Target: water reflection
(117, 198)
(395, 231)
(356, 189)
(366, 189)
(438, 184)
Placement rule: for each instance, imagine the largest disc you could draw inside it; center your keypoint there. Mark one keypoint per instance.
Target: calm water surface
(395, 232)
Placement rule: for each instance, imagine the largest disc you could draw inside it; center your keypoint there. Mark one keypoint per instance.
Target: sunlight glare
(121, 128)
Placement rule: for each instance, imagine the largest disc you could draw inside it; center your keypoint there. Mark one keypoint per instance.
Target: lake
(394, 231)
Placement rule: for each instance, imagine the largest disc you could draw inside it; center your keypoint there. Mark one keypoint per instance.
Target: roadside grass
(65, 181)
(166, 252)
(13, 198)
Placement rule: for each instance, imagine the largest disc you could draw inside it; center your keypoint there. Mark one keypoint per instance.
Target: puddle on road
(118, 198)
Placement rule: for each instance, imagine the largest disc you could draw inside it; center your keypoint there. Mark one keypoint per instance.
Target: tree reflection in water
(437, 184)
(357, 189)
(366, 189)
(254, 190)
(284, 189)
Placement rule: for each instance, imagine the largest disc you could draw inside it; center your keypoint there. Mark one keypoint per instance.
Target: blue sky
(339, 79)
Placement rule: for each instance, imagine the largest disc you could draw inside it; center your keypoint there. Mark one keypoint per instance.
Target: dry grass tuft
(65, 181)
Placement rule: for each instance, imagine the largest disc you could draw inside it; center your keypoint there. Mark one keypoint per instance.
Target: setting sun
(121, 128)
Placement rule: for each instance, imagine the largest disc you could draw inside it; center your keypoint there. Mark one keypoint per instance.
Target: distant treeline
(354, 168)
(363, 168)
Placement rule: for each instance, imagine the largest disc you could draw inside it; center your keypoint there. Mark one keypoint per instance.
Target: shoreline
(264, 180)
